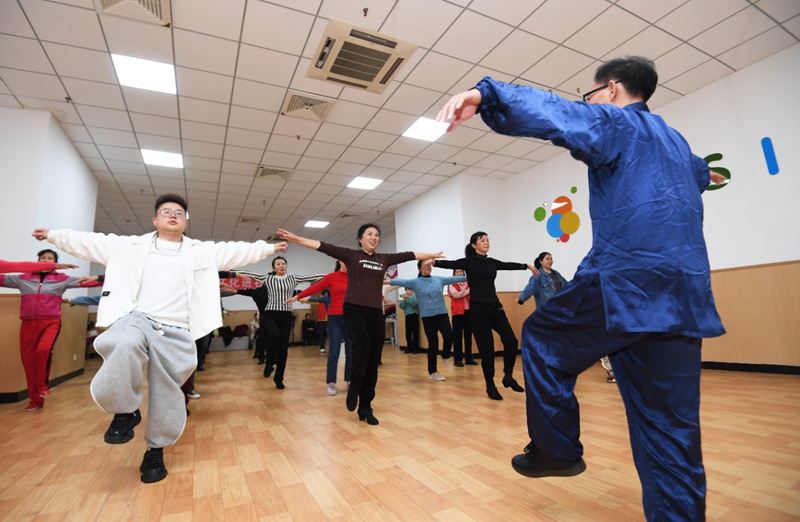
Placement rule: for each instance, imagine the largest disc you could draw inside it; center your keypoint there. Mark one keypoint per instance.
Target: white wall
(45, 184)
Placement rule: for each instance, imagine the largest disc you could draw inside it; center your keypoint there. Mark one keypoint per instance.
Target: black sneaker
(535, 463)
(471, 363)
(509, 382)
(121, 429)
(152, 467)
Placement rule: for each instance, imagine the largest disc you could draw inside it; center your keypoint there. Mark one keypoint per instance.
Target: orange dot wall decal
(563, 221)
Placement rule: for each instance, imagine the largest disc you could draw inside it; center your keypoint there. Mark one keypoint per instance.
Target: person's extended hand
(64, 266)
(460, 108)
(281, 247)
(40, 233)
(718, 179)
(225, 287)
(286, 235)
(87, 279)
(534, 270)
(290, 300)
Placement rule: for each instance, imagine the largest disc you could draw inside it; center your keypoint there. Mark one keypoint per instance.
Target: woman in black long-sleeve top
(486, 311)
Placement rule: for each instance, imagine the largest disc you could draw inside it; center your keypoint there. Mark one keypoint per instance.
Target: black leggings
(462, 330)
(278, 328)
(367, 330)
(433, 326)
(485, 317)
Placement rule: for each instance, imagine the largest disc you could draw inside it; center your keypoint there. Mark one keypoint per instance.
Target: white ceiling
(236, 59)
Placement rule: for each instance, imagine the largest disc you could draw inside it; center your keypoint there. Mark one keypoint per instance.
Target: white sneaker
(331, 388)
(193, 395)
(436, 376)
(322, 350)
(448, 363)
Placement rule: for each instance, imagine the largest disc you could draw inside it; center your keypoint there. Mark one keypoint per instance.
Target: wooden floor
(441, 451)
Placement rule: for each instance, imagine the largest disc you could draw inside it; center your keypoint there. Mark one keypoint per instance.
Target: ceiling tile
(151, 124)
(357, 155)
(459, 40)
(85, 64)
(222, 19)
(258, 95)
(203, 111)
(151, 102)
(320, 149)
(678, 61)
(204, 85)
(437, 72)
(77, 133)
(289, 126)
(242, 154)
(275, 27)
(207, 53)
(246, 138)
(390, 161)
(780, 10)
(127, 167)
(374, 140)
(405, 21)
(108, 118)
(55, 22)
(507, 58)
(312, 164)
(94, 93)
(191, 130)
(160, 143)
(264, 65)
(338, 134)
(695, 16)
(391, 122)
(758, 48)
(650, 11)
(194, 163)
(110, 152)
(287, 144)
(352, 114)
(252, 119)
(14, 22)
(608, 30)
(511, 12)
(700, 76)
(557, 20)
(87, 150)
(652, 43)
(202, 149)
(23, 53)
(793, 26)
(733, 31)
(32, 85)
(556, 67)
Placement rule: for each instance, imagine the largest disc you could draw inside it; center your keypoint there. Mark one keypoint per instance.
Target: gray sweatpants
(125, 347)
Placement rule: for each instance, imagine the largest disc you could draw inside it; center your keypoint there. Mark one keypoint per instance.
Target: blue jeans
(336, 332)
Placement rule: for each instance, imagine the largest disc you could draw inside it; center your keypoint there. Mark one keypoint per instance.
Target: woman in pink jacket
(40, 311)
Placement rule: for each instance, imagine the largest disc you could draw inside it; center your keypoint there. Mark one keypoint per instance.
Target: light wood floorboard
(441, 451)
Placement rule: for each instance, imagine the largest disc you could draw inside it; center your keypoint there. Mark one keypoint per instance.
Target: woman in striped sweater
(278, 318)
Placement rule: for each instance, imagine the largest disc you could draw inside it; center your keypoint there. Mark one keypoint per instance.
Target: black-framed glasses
(168, 212)
(588, 94)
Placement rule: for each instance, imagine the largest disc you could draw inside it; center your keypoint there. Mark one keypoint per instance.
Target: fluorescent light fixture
(426, 129)
(365, 183)
(145, 74)
(317, 224)
(162, 159)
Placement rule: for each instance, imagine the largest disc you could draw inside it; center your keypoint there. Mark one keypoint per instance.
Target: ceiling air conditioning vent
(350, 214)
(265, 171)
(250, 220)
(153, 11)
(357, 57)
(306, 105)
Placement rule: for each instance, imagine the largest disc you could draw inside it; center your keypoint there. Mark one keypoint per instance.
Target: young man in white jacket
(161, 293)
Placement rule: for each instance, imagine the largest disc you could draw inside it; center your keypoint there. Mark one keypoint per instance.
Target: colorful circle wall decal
(563, 222)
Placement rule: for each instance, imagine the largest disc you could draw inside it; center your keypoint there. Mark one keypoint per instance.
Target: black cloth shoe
(200, 368)
(121, 429)
(494, 394)
(268, 371)
(352, 399)
(152, 467)
(368, 416)
(459, 364)
(279, 385)
(472, 363)
(509, 382)
(535, 463)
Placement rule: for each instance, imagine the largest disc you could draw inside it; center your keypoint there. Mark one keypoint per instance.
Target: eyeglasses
(168, 212)
(588, 94)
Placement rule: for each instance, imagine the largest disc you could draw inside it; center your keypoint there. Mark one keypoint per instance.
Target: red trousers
(36, 340)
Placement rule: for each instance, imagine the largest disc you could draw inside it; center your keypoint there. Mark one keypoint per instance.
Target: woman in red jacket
(336, 283)
(40, 311)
